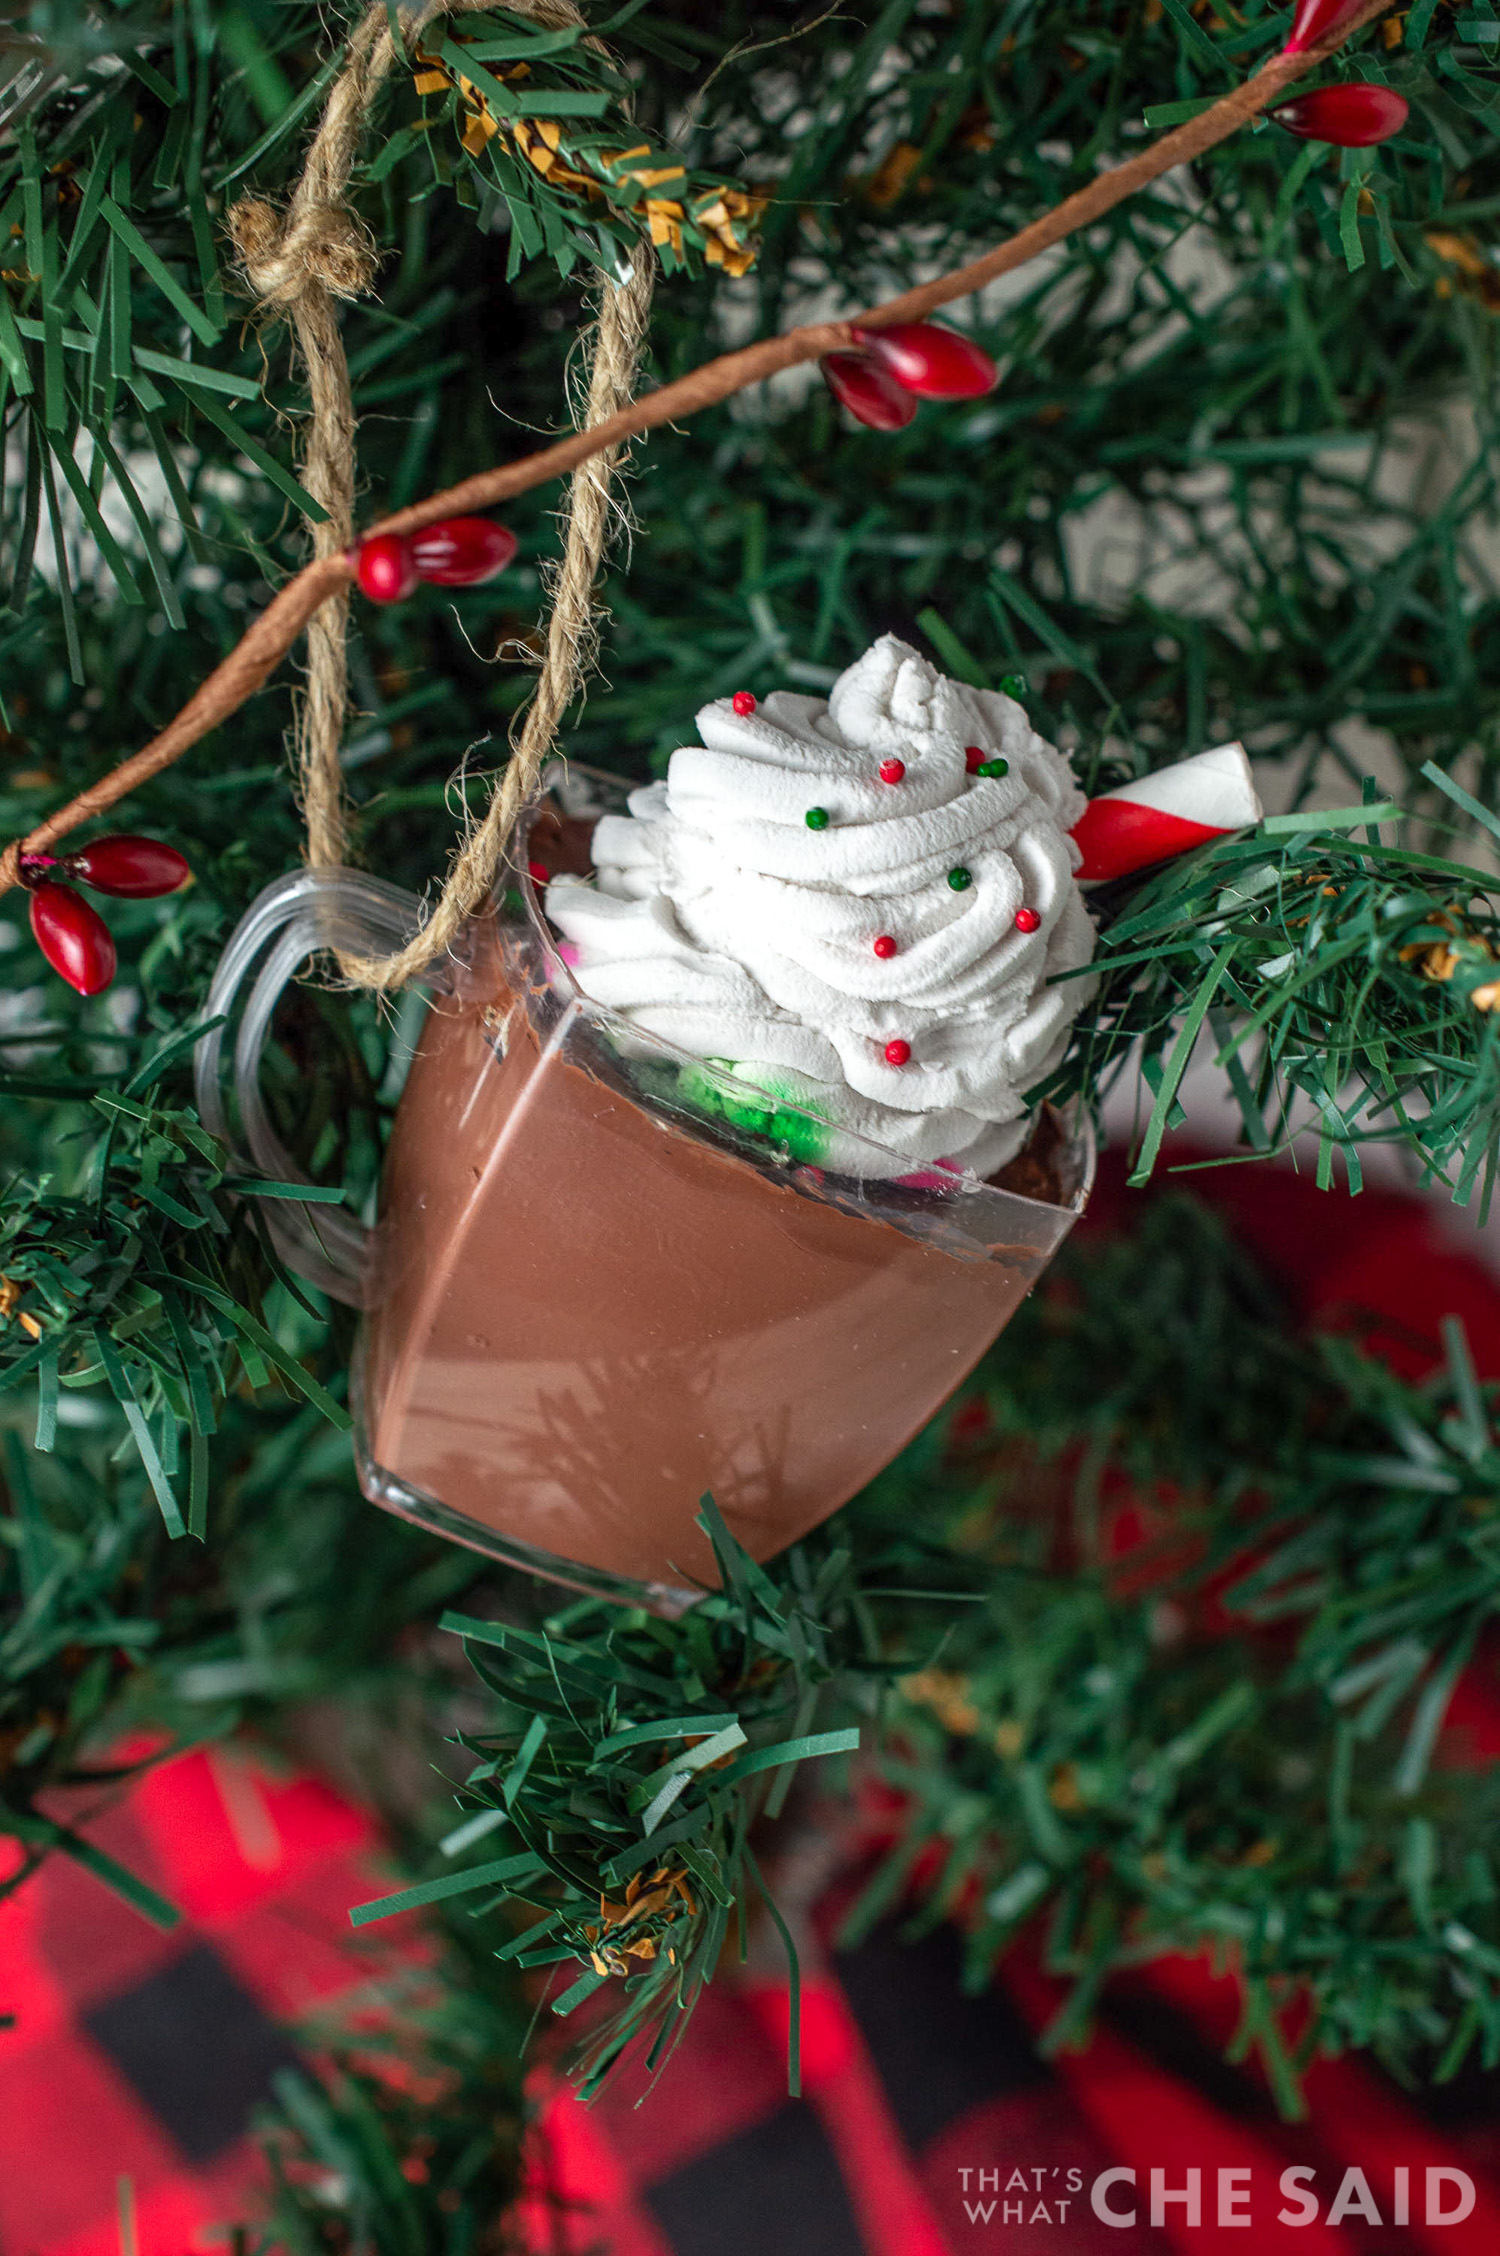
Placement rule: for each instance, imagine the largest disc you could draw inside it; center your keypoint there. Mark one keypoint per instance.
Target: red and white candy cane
(1164, 814)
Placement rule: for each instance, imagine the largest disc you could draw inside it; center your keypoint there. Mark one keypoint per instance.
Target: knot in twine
(317, 244)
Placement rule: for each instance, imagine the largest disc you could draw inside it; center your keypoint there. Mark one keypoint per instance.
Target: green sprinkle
(1013, 685)
(817, 818)
(993, 768)
(756, 1112)
(961, 879)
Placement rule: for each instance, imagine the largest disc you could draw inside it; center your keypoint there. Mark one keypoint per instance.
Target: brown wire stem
(272, 635)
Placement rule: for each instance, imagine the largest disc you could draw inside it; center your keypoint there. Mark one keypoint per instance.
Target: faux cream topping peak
(723, 921)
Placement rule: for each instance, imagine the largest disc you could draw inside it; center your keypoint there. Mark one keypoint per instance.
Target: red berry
(1027, 920)
(885, 946)
(385, 568)
(133, 869)
(973, 758)
(1351, 117)
(891, 771)
(897, 1052)
(461, 551)
(870, 394)
(934, 363)
(539, 873)
(1318, 19)
(73, 937)
(743, 702)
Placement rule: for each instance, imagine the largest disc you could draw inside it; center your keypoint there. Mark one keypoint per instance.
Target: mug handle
(300, 916)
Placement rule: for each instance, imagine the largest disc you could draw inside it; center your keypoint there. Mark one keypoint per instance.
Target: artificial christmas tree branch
(1069, 1760)
(1339, 314)
(270, 638)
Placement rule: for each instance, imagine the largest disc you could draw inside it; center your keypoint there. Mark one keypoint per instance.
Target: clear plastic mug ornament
(607, 1275)
(586, 1304)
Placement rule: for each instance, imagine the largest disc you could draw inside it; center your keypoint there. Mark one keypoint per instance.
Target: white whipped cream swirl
(720, 921)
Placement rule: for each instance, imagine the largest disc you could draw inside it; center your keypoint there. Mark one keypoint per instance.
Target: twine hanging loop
(299, 262)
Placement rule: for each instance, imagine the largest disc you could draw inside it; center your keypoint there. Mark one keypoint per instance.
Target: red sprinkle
(974, 759)
(538, 873)
(1027, 920)
(897, 1052)
(743, 702)
(885, 945)
(891, 771)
